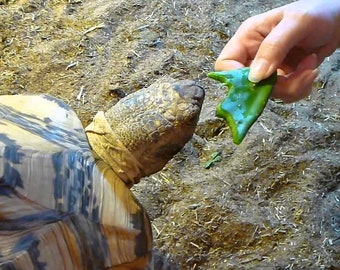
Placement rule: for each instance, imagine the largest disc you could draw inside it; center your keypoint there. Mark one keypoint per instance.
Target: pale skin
(293, 39)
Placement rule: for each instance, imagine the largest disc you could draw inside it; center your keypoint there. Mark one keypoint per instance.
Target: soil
(272, 202)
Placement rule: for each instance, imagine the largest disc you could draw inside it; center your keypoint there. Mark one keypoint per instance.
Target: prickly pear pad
(245, 100)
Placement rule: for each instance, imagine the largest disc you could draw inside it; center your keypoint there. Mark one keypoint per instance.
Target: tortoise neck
(111, 150)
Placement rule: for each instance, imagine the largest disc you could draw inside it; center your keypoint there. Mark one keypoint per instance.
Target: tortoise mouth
(190, 90)
(192, 96)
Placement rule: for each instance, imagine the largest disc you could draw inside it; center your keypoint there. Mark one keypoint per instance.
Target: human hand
(293, 39)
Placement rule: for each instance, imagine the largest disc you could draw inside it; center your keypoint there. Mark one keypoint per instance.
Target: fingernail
(258, 70)
(316, 72)
(315, 57)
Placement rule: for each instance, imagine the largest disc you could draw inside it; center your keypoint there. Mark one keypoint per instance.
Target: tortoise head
(153, 124)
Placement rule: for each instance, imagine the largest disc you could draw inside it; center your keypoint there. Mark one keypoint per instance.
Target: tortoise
(65, 198)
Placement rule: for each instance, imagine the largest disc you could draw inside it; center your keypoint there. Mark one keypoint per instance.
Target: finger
(242, 47)
(310, 62)
(227, 65)
(232, 56)
(326, 50)
(275, 48)
(298, 84)
(295, 86)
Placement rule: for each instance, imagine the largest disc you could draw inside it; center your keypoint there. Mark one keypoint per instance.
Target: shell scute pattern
(46, 145)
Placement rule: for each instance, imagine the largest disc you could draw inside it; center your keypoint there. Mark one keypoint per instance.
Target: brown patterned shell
(65, 201)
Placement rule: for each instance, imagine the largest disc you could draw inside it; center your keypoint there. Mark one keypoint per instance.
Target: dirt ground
(271, 203)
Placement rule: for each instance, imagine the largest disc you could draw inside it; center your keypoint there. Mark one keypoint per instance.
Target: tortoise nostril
(189, 89)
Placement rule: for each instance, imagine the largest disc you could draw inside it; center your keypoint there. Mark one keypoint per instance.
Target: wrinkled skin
(157, 128)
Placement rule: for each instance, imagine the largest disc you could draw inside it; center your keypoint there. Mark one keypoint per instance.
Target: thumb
(275, 47)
